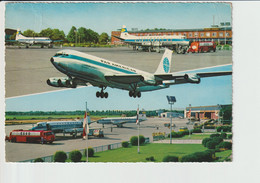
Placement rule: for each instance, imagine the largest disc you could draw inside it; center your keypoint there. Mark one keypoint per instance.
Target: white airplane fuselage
(93, 69)
(35, 40)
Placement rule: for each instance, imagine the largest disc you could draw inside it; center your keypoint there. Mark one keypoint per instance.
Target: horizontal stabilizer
(118, 37)
(125, 79)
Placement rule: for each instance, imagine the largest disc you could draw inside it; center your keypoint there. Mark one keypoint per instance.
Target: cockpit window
(61, 54)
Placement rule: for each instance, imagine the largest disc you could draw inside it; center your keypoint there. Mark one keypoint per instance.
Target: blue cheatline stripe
(33, 40)
(133, 40)
(99, 64)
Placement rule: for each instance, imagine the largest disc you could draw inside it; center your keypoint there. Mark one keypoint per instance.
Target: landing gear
(102, 94)
(134, 94)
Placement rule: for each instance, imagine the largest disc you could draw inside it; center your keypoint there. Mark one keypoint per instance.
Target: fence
(96, 149)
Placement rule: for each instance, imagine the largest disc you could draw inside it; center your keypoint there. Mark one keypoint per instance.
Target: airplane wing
(187, 77)
(125, 79)
(55, 41)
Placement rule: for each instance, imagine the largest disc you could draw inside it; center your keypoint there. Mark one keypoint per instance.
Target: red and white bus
(31, 136)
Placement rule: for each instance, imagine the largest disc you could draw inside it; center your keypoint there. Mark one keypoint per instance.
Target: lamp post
(171, 100)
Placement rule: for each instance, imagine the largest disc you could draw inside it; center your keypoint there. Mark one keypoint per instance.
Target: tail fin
(124, 34)
(19, 35)
(165, 64)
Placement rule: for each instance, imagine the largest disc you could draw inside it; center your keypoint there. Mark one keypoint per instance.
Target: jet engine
(61, 82)
(192, 78)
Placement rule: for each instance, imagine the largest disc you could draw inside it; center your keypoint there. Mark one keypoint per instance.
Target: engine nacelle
(192, 78)
(149, 81)
(61, 82)
(168, 82)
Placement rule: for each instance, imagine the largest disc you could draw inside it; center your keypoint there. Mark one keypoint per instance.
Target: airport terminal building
(219, 33)
(203, 112)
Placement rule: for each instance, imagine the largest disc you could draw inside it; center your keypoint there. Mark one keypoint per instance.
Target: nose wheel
(134, 94)
(102, 94)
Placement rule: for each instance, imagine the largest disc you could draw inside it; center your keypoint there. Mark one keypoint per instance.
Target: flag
(189, 114)
(84, 125)
(137, 116)
(87, 116)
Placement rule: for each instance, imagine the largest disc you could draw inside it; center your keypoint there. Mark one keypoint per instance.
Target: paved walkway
(188, 141)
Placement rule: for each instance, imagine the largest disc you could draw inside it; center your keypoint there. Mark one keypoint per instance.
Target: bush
(204, 141)
(150, 158)
(223, 135)
(38, 160)
(214, 135)
(75, 156)
(204, 156)
(170, 159)
(196, 130)
(60, 156)
(211, 144)
(90, 152)
(217, 139)
(134, 140)
(226, 145)
(125, 144)
(229, 136)
(224, 128)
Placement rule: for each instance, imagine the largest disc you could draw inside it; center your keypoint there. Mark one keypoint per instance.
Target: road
(25, 151)
(28, 69)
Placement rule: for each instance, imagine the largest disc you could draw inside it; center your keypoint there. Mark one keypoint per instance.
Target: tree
(82, 35)
(93, 36)
(72, 35)
(103, 38)
(29, 33)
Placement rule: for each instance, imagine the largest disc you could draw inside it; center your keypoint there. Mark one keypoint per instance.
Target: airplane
(119, 121)
(29, 41)
(84, 69)
(71, 127)
(179, 43)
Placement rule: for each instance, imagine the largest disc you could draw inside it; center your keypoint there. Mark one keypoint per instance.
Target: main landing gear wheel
(134, 94)
(102, 94)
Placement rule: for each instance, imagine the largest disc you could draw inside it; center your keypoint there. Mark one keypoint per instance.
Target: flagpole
(87, 131)
(138, 150)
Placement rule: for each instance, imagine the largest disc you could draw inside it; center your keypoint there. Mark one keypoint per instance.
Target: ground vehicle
(96, 132)
(31, 136)
(199, 47)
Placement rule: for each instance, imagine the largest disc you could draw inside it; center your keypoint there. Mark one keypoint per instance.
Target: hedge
(170, 159)
(196, 130)
(204, 156)
(226, 145)
(125, 144)
(38, 160)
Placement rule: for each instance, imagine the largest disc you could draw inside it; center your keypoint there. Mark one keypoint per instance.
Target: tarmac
(28, 69)
(24, 151)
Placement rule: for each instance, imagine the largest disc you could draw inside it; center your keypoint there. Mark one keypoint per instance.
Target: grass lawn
(223, 155)
(158, 151)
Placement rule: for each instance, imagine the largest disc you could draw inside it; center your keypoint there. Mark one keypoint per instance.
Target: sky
(211, 91)
(106, 17)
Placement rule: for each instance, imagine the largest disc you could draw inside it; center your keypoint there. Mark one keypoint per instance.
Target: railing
(96, 149)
